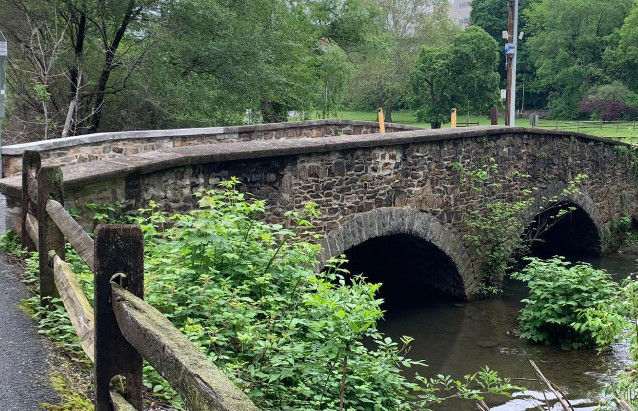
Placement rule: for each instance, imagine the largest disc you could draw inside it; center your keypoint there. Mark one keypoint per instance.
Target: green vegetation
(497, 232)
(560, 296)
(246, 293)
(567, 41)
(10, 243)
(578, 306)
(70, 399)
(82, 66)
(463, 75)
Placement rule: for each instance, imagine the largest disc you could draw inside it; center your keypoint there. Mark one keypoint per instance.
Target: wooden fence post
(30, 164)
(118, 249)
(50, 237)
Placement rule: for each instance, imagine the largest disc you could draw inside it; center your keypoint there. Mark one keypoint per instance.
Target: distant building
(460, 11)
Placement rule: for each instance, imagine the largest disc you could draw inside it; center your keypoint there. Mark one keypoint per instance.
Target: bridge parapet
(348, 177)
(110, 145)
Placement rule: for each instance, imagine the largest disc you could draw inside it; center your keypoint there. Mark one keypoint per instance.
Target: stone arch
(389, 221)
(585, 209)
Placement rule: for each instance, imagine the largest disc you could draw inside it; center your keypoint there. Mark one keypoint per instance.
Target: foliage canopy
(462, 76)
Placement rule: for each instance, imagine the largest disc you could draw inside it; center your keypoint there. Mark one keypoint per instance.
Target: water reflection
(459, 339)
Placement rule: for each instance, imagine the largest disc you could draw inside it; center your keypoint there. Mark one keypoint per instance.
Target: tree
(351, 24)
(429, 82)
(333, 70)
(249, 55)
(473, 65)
(566, 44)
(610, 102)
(99, 43)
(621, 58)
(463, 76)
(265, 56)
(490, 15)
(382, 76)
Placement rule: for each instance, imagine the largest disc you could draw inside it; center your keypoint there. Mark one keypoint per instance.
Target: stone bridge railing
(373, 184)
(111, 145)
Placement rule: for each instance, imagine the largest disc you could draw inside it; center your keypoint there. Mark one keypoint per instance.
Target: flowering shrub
(610, 103)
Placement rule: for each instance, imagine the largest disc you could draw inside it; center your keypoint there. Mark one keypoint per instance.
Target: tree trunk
(388, 112)
(75, 74)
(108, 65)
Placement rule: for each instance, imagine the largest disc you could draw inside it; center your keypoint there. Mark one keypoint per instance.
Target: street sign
(510, 48)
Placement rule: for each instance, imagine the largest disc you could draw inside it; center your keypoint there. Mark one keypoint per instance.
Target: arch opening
(414, 272)
(574, 234)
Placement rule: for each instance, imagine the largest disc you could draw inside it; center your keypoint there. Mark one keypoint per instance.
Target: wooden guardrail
(120, 330)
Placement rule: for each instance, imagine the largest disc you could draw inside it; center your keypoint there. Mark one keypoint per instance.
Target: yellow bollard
(453, 118)
(381, 120)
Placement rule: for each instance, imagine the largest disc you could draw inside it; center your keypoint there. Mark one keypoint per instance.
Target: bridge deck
(79, 175)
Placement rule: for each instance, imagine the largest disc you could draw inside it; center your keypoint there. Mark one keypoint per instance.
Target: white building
(460, 11)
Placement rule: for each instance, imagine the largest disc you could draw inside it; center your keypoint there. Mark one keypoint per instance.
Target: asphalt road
(24, 371)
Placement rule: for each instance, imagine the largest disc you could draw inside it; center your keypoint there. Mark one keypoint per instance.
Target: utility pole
(511, 51)
(3, 57)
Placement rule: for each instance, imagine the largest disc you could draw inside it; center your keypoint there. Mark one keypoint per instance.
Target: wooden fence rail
(76, 303)
(120, 329)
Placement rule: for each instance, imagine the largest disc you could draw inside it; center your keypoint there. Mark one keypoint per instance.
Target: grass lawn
(624, 131)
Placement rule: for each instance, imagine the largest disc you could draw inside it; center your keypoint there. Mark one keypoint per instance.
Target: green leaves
(578, 306)
(567, 42)
(462, 76)
(569, 304)
(246, 294)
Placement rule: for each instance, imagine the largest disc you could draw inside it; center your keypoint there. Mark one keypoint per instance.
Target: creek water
(459, 339)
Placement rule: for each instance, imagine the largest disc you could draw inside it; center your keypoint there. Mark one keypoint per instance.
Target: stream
(459, 339)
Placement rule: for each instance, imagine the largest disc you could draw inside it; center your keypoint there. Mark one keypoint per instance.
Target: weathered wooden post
(118, 249)
(50, 237)
(30, 169)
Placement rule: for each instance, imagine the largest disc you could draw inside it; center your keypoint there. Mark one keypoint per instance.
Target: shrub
(247, 294)
(10, 243)
(610, 103)
(561, 297)
(619, 322)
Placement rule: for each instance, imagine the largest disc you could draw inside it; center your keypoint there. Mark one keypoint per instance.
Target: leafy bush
(562, 297)
(247, 294)
(610, 102)
(10, 243)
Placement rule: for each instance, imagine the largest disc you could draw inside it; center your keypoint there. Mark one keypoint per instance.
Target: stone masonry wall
(81, 149)
(416, 176)
(414, 171)
(419, 176)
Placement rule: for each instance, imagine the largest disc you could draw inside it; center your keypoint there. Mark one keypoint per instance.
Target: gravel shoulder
(24, 354)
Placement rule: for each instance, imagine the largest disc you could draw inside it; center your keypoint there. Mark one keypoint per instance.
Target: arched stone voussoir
(388, 221)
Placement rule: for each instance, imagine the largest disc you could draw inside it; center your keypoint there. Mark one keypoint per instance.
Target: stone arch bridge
(392, 202)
